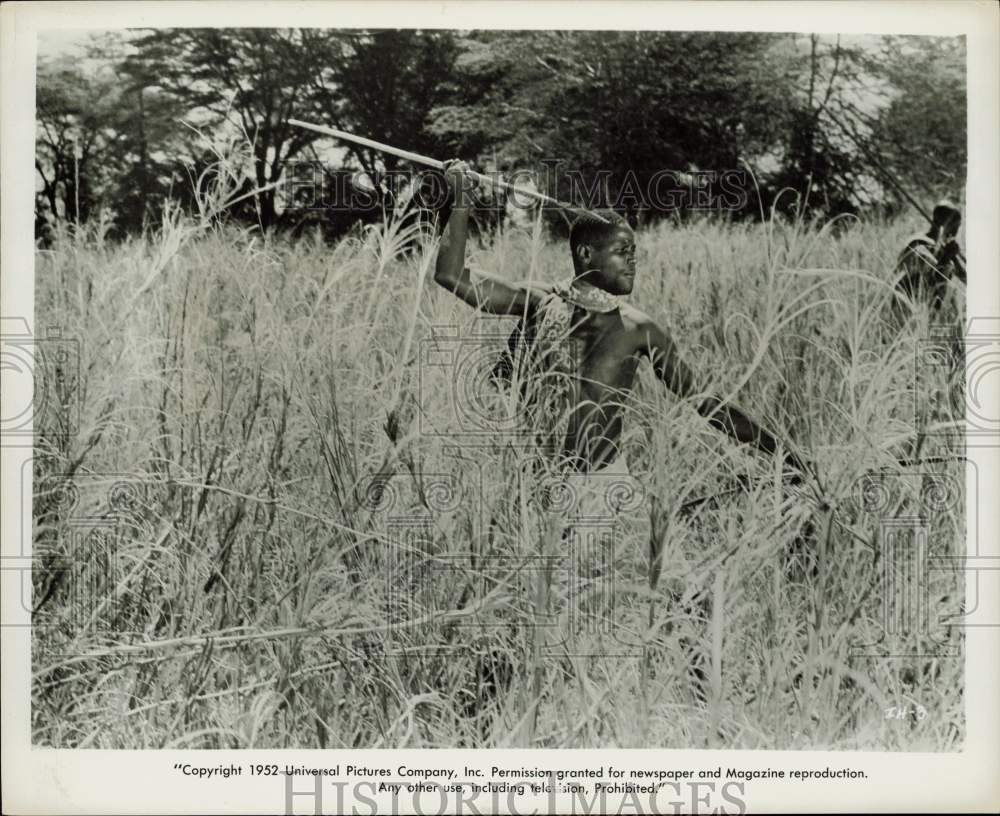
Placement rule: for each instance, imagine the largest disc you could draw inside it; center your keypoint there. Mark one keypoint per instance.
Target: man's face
(613, 264)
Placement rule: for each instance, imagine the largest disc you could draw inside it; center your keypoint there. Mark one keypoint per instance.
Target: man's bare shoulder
(652, 335)
(635, 318)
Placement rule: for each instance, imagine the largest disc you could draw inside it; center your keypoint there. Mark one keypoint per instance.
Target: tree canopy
(656, 121)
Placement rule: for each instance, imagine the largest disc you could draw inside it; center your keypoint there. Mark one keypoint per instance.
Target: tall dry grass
(271, 532)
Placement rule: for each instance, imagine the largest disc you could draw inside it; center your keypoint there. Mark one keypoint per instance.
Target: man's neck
(583, 293)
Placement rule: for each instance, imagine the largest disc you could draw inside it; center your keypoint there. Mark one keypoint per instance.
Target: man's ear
(584, 253)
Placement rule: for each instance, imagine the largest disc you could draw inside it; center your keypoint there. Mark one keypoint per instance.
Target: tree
(388, 83)
(379, 83)
(619, 118)
(922, 133)
(844, 122)
(102, 142)
(76, 150)
(153, 155)
(618, 109)
(880, 123)
(253, 78)
(815, 159)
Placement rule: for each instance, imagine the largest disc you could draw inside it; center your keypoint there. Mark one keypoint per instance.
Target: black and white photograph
(502, 387)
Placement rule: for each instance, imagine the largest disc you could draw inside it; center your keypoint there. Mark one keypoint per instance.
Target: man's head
(945, 220)
(603, 250)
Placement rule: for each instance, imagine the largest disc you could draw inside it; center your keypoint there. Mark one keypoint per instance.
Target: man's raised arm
(673, 372)
(487, 294)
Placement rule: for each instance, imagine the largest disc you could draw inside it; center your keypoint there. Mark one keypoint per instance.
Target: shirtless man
(610, 336)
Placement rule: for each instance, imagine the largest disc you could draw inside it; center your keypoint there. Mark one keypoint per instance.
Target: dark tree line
(844, 126)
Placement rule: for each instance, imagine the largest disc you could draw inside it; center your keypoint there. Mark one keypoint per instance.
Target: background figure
(928, 261)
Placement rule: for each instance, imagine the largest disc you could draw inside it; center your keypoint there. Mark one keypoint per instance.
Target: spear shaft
(416, 158)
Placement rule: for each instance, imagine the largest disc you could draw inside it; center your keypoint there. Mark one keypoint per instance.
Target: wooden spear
(416, 158)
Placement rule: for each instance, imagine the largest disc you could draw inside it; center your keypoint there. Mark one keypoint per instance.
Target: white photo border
(42, 780)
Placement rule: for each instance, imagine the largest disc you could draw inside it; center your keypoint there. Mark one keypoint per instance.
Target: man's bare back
(608, 337)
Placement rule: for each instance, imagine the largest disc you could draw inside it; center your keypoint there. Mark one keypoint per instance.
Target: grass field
(269, 520)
